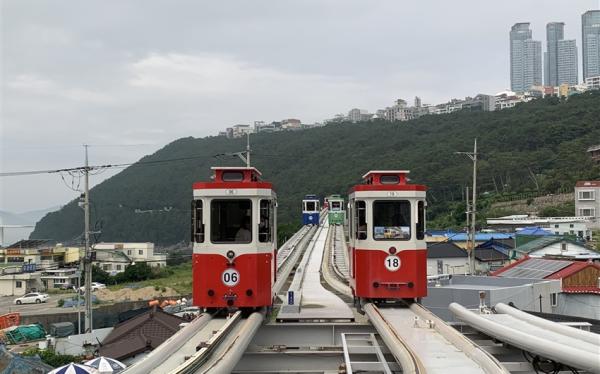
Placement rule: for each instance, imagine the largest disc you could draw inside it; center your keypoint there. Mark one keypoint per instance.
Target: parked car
(95, 287)
(32, 298)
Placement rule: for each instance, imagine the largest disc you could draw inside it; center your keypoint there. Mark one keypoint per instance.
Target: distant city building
(291, 124)
(261, 126)
(592, 83)
(567, 62)
(417, 102)
(239, 131)
(525, 58)
(590, 36)
(359, 115)
(554, 33)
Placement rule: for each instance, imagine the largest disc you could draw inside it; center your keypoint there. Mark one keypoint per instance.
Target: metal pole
(78, 302)
(248, 150)
(468, 212)
(87, 258)
(474, 206)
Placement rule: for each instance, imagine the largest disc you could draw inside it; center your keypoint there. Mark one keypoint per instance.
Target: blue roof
(534, 231)
(479, 237)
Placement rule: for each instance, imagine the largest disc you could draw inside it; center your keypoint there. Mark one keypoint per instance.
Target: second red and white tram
(387, 238)
(234, 240)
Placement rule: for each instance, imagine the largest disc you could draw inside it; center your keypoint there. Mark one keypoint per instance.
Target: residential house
(555, 246)
(140, 334)
(291, 124)
(446, 258)
(574, 226)
(587, 202)
(580, 283)
(57, 278)
(19, 282)
(594, 152)
(115, 257)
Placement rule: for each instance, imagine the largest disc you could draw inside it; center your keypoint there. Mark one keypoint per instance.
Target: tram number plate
(392, 263)
(230, 277)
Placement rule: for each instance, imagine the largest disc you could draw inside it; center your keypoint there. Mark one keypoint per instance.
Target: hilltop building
(590, 36)
(592, 83)
(594, 152)
(587, 201)
(525, 58)
(359, 115)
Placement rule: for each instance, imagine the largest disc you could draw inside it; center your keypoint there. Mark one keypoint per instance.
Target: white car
(31, 298)
(95, 287)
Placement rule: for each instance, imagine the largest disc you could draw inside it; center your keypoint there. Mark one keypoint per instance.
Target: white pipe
(401, 352)
(485, 360)
(232, 356)
(169, 347)
(587, 336)
(568, 355)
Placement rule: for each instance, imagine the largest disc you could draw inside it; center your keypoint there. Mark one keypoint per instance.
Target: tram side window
(265, 225)
(231, 221)
(391, 220)
(360, 212)
(421, 218)
(197, 223)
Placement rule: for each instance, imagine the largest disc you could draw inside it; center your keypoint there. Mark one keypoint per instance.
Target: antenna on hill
(244, 155)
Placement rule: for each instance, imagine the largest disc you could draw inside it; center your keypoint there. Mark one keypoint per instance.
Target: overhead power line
(97, 167)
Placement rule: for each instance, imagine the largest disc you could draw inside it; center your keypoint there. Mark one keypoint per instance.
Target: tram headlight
(230, 255)
(392, 250)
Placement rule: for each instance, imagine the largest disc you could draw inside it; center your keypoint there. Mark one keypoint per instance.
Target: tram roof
(379, 172)
(240, 168)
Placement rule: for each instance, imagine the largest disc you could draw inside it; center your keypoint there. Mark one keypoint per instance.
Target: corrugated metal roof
(574, 267)
(539, 243)
(581, 289)
(536, 268)
(445, 250)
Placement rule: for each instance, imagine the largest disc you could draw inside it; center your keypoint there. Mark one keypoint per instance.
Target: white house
(587, 201)
(556, 246)
(59, 277)
(115, 257)
(20, 283)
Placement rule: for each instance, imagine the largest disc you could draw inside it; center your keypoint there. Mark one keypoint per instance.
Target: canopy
(106, 364)
(74, 369)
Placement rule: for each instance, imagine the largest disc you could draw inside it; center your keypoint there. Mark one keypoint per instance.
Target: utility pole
(473, 157)
(468, 213)
(87, 260)
(248, 149)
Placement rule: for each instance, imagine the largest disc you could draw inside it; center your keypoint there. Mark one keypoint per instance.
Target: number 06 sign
(230, 277)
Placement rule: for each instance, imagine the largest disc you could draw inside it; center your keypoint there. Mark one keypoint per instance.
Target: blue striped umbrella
(74, 369)
(106, 364)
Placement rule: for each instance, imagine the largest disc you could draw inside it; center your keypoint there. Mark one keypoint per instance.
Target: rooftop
(588, 183)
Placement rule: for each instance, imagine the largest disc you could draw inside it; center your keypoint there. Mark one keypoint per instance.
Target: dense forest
(539, 147)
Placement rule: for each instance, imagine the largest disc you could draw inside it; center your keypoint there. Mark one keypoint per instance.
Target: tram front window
(311, 206)
(231, 221)
(391, 220)
(336, 205)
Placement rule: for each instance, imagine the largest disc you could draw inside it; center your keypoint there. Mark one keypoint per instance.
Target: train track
(197, 345)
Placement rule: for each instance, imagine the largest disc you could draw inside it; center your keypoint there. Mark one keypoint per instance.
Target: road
(51, 306)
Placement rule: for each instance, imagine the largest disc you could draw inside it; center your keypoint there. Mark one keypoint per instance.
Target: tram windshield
(231, 221)
(311, 206)
(336, 205)
(391, 220)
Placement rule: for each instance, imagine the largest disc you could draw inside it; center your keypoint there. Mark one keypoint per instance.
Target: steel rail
(283, 271)
(565, 354)
(328, 269)
(289, 247)
(587, 336)
(202, 355)
(480, 356)
(236, 346)
(408, 360)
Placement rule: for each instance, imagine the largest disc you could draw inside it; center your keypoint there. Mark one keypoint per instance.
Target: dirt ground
(124, 294)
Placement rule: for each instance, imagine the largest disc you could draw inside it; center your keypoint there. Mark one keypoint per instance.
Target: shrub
(61, 302)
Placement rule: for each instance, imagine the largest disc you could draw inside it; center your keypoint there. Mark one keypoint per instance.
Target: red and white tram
(234, 239)
(387, 238)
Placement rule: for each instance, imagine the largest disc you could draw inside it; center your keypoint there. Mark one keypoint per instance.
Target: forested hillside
(536, 146)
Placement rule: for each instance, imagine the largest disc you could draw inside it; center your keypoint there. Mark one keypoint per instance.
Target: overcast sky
(128, 77)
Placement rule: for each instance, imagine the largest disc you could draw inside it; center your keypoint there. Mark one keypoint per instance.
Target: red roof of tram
(384, 180)
(234, 177)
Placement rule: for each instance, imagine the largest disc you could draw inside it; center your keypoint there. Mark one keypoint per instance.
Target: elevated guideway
(419, 340)
(194, 347)
(307, 298)
(566, 345)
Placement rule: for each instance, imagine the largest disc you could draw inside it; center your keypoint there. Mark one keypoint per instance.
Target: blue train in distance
(310, 210)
